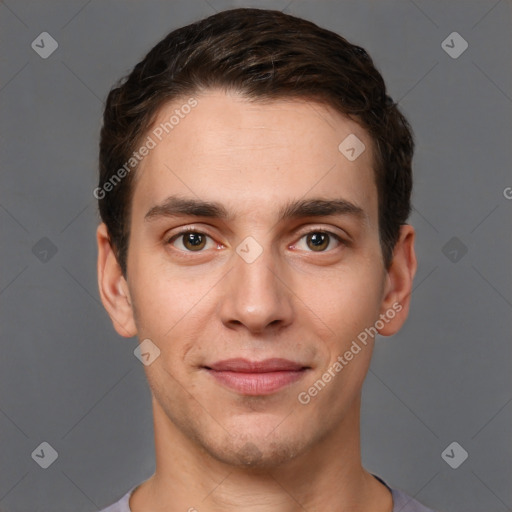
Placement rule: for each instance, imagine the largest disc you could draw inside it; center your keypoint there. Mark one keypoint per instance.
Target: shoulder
(123, 505)
(401, 503)
(404, 503)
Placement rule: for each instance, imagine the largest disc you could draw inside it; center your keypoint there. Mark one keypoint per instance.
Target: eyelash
(186, 231)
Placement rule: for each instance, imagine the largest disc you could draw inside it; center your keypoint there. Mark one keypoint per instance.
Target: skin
(217, 449)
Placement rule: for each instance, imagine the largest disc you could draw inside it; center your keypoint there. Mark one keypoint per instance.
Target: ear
(399, 279)
(113, 287)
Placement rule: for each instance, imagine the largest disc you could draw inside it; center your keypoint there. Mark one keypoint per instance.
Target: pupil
(318, 239)
(194, 239)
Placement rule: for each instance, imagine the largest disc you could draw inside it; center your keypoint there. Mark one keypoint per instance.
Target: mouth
(255, 378)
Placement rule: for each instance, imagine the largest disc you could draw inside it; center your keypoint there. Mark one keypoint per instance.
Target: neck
(328, 476)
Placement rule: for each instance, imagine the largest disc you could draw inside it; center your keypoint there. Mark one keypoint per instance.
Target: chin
(256, 451)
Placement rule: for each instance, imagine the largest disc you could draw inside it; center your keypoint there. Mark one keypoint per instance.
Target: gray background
(66, 377)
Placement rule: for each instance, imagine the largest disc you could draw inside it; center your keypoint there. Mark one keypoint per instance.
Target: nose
(257, 295)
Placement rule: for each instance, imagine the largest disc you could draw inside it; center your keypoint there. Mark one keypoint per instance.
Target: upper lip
(246, 366)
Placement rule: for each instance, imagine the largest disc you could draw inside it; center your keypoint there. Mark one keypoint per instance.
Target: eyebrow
(175, 206)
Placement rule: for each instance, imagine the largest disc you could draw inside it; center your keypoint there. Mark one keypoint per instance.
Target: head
(241, 117)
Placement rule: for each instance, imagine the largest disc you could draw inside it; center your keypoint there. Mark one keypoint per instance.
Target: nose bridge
(256, 296)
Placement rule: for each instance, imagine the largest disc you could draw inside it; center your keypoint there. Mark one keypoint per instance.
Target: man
(255, 184)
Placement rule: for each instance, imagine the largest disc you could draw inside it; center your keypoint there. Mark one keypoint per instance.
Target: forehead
(259, 154)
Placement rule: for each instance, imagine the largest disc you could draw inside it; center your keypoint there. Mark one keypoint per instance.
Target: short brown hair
(263, 54)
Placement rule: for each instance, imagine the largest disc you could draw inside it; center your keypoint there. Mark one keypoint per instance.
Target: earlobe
(399, 280)
(113, 287)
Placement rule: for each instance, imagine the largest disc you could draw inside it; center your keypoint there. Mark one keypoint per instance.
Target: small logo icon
(44, 250)
(454, 45)
(351, 147)
(454, 455)
(45, 455)
(44, 45)
(249, 250)
(146, 352)
(454, 249)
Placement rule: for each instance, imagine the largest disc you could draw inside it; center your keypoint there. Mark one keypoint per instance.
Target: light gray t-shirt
(401, 502)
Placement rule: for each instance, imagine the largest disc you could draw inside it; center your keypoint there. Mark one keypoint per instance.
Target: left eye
(320, 241)
(192, 241)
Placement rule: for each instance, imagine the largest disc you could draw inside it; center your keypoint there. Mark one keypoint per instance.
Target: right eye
(190, 240)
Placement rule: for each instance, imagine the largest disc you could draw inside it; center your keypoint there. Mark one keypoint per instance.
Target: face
(254, 238)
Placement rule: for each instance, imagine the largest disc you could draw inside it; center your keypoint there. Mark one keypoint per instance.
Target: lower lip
(257, 383)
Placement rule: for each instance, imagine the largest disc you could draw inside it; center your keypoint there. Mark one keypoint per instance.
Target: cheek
(172, 311)
(346, 302)
(162, 298)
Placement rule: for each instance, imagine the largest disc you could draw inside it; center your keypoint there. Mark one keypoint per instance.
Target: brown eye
(190, 241)
(194, 241)
(317, 241)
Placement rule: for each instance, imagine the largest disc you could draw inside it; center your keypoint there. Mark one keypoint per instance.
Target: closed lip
(242, 365)
(256, 378)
